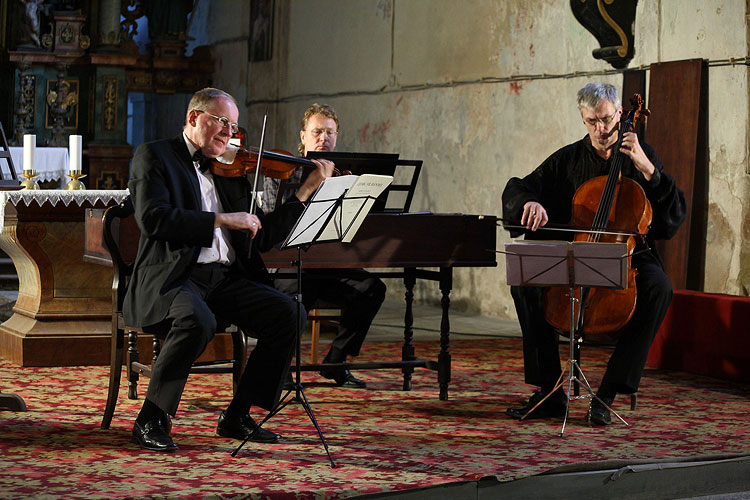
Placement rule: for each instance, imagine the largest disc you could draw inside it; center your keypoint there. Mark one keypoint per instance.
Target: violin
(277, 164)
(614, 201)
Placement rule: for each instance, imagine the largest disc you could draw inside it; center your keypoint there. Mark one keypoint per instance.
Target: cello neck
(616, 162)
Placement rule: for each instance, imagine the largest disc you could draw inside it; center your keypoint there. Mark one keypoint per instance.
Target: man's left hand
(323, 170)
(631, 147)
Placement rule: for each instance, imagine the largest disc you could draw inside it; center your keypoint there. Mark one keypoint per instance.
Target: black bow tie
(203, 160)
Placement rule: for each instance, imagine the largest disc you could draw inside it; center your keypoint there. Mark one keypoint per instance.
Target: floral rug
(381, 438)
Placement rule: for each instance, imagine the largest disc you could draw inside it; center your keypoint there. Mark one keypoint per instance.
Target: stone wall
(481, 91)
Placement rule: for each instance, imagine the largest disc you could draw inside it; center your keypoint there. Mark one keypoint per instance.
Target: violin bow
(258, 163)
(255, 179)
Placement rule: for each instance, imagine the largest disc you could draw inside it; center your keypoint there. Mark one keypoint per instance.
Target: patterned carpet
(381, 438)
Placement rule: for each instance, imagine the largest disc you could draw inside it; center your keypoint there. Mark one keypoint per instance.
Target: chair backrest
(121, 235)
(5, 154)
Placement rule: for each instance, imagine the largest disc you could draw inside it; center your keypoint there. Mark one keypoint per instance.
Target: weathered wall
(406, 76)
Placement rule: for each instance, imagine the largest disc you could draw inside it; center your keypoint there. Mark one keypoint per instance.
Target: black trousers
(541, 354)
(359, 295)
(214, 293)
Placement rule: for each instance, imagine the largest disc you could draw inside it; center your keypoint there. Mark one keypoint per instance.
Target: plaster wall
(484, 90)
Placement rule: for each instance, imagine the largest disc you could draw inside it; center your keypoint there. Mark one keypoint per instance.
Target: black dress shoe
(153, 436)
(243, 428)
(598, 413)
(166, 421)
(343, 378)
(554, 406)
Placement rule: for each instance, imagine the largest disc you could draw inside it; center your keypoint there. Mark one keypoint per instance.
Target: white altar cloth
(51, 163)
(58, 196)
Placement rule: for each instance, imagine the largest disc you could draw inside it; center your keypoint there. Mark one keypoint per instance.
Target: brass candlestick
(75, 184)
(29, 183)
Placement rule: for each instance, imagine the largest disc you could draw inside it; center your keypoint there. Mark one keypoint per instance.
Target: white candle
(76, 147)
(29, 152)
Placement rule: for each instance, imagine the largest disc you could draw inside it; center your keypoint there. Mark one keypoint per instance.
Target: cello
(601, 202)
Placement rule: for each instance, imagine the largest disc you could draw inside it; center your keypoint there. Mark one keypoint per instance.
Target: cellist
(545, 197)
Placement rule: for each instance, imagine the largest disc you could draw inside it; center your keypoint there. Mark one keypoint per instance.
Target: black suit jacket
(166, 195)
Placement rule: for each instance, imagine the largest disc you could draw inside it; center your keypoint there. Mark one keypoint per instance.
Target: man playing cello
(545, 196)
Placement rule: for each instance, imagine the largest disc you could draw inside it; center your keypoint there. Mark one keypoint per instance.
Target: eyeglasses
(223, 120)
(317, 132)
(606, 121)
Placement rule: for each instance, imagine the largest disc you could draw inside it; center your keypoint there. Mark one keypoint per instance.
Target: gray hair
(593, 94)
(204, 97)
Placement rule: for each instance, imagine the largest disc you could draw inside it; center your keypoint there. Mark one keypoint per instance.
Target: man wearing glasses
(360, 294)
(199, 264)
(545, 195)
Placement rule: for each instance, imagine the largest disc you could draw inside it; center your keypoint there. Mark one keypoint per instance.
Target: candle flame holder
(29, 182)
(75, 184)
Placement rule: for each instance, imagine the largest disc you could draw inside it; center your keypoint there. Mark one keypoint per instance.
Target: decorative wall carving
(612, 23)
(109, 103)
(26, 107)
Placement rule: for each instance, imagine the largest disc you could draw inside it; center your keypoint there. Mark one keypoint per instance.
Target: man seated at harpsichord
(359, 294)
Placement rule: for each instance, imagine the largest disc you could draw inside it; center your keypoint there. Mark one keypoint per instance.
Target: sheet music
(318, 210)
(320, 223)
(355, 206)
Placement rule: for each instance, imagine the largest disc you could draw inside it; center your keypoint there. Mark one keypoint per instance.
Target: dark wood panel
(677, 131)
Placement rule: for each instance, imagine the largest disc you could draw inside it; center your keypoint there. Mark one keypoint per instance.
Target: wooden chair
(118, 224)
(318, 317)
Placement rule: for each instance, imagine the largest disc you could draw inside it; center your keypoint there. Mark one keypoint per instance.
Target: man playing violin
(360, 294)
(545, 197)
(199, 264)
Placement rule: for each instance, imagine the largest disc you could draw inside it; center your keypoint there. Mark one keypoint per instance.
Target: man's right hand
(534, 215)
(239, 220)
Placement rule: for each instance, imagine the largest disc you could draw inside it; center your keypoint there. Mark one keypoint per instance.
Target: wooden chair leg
(115, 372)
(633, 400)
(315, 336)
(132, 358)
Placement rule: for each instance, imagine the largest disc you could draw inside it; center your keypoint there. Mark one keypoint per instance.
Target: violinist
(195, 267)
(359, 294)
(545, 197)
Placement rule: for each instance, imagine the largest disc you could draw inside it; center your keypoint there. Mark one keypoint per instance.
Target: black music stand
(331, 215)
(575, 265)
(396, 199)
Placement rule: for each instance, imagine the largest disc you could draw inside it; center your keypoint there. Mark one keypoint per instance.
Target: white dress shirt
(221, 250)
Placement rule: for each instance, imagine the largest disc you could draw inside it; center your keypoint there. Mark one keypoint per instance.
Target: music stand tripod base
(299, 392)
(576, 264)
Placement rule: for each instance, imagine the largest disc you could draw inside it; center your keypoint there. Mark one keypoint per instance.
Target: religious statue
(29, 13)
(168, 19)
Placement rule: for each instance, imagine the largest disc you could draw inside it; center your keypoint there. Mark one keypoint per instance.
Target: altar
(62, 315)
(52, 164)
